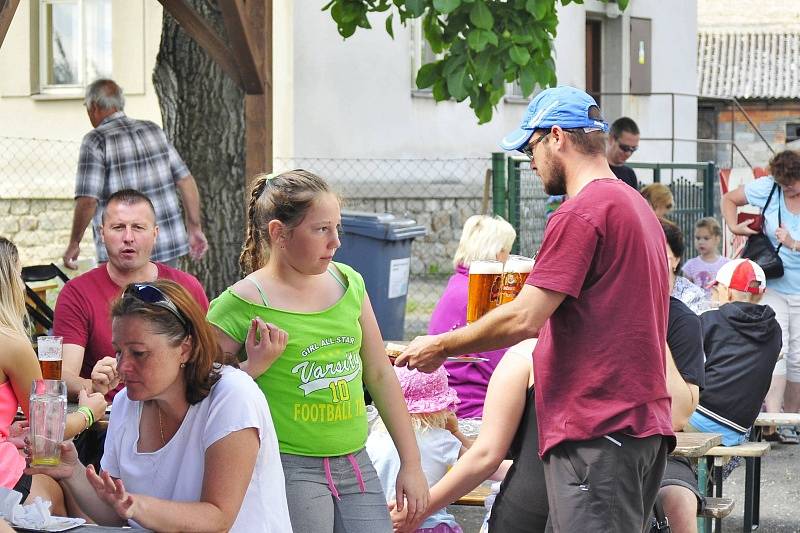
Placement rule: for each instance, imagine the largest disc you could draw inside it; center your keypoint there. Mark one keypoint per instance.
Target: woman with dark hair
(191, 445)
(778, 196)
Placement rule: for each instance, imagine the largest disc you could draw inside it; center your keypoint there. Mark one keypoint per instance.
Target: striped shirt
(124, 153)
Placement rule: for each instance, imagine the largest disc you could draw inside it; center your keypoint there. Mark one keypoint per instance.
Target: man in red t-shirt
(82, 314)
(598, 300)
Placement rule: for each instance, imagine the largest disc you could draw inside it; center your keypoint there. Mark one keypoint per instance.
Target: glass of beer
(49, 351)
(48, 418)
(515, 273)
(484, 288)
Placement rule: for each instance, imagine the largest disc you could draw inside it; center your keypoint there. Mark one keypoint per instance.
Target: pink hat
(426, 393)
(742, 275)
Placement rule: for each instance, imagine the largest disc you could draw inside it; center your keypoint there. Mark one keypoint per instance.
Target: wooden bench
(717, 508)
(777, 419)
(752, 452)
(476, 497)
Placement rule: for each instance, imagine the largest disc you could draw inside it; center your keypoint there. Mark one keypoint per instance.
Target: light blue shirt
(729, 437)
(757, 192)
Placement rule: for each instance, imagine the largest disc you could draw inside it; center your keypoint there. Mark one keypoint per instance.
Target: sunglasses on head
(152, 295)
(627, 148)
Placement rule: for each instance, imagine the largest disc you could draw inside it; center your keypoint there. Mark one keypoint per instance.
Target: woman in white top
(190, 444)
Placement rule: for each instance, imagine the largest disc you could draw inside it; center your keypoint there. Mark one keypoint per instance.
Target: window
(74, 43)
(421, 54)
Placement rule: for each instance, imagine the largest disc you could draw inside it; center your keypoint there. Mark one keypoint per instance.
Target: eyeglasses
(628, 149)
(152, 295)
(530, 148)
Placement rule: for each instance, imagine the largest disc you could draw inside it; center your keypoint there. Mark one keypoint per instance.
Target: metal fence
(521, 198)
(438, 193)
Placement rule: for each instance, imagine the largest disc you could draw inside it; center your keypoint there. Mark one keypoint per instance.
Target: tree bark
(202, 110)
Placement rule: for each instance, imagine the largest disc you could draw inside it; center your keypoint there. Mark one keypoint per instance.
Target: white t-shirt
(438, 450)
(175, 472)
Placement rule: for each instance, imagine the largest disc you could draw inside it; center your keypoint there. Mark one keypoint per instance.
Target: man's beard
(555, 183)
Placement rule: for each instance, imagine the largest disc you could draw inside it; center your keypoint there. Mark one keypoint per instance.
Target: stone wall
(40, 228)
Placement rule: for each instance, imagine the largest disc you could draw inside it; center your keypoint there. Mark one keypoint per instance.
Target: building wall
(770, 117)
(374, 113)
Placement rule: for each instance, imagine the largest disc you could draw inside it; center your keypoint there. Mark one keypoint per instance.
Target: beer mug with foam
(515, 272)
(484, 288)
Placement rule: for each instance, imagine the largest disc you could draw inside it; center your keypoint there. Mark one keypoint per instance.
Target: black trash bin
(378, 246)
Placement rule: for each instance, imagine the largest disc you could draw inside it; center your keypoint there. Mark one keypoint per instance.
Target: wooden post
(7, 10)
(258, 107)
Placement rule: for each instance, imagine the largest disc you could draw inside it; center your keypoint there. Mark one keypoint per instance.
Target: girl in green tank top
(305, 330)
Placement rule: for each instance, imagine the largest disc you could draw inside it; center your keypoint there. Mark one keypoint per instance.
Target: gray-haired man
(124, 153)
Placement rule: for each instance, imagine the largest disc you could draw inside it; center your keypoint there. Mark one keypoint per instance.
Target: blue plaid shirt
(124, 153)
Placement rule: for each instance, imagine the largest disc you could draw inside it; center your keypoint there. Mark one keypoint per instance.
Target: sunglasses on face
(152, 295)
(628, 149)
(531, 147)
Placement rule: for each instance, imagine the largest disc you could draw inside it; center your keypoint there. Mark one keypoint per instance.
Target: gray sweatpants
(313, 506)
(604, 485)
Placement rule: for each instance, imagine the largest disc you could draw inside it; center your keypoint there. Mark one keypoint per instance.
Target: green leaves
(538, 8)
(428, 75)
(519, 55)
(478, 39)
(480, 45)
(480, 15)
(446, 6)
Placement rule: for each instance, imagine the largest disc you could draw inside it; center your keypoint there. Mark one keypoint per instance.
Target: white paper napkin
(34, 515)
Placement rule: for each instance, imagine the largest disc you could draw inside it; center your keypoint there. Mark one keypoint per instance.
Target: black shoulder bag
(759, 249)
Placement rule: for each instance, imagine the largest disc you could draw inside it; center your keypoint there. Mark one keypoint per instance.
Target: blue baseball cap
(563, 106)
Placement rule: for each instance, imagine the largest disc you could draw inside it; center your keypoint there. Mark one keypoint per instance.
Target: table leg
(703, 523)
(757, 492)
(718, 494)
(749, 488)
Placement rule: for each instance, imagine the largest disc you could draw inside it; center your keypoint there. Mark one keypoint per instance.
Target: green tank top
(314, 388)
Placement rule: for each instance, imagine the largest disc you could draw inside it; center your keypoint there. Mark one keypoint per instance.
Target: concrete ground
(780, 495)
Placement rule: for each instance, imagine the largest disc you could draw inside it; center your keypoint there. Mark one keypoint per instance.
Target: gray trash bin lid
(383, 226)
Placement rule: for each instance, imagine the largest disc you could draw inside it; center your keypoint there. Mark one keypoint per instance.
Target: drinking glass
(49, 352)
(48, 418)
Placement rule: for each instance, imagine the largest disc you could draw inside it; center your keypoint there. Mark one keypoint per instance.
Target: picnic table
(695, 445)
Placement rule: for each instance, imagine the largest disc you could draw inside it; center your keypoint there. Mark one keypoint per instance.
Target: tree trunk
(203, 114)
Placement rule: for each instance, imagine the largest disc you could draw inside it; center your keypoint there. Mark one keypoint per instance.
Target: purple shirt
(468, 379)
(703, 274)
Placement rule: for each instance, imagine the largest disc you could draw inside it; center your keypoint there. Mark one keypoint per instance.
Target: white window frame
(43, 45)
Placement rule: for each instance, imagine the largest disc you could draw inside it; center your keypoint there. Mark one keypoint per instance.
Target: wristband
(88, 414)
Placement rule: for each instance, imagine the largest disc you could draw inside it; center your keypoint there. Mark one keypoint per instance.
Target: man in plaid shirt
(124, 153)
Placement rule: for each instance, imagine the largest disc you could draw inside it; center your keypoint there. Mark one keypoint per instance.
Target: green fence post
(499, 183)
(709, 179)
(657, 174)
(514, 199)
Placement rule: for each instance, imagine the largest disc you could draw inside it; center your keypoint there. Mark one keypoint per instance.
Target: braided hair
(285, 197)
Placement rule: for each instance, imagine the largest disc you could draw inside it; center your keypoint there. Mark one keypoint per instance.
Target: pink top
(12, 463)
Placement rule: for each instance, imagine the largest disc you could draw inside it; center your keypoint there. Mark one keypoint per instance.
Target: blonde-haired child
(431, 403)
(702, 270)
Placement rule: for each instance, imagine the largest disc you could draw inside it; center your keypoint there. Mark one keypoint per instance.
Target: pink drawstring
(326, 463)
(357, 470)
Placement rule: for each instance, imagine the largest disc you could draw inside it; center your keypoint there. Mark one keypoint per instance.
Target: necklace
(160, 426)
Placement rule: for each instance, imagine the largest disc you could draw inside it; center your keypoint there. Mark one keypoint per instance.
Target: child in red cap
(742, 341)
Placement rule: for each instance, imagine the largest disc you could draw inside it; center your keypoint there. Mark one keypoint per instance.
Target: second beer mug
(484, 288)
(515, 273)
(49, 351)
